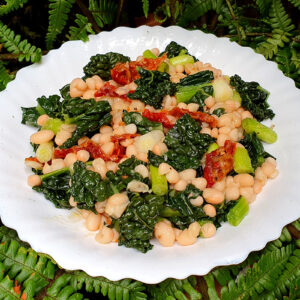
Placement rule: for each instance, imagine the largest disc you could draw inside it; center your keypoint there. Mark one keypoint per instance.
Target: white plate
(61, 234)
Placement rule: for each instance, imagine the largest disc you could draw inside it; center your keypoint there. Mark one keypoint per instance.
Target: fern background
(30, 28)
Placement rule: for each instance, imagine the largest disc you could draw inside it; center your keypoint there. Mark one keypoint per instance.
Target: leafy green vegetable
(56, 190)
(30, 116)
(65, 91)
(143, 124)
(155, 160)
(197, 78)
(173, 49)
(152, 87)
(101, 64)
(186, 144)
(255, 149)
(194, 93)
(254, 98)
(50, 105)
(219, 111)
(88, 188)
(137, 223)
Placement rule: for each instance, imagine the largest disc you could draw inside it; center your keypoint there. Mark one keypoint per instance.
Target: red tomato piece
(160, 117)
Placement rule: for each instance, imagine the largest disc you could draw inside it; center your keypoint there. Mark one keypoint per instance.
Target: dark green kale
(91, 116)
(65, 91)
(201, 95)
(173, 49)
(254, 98)
(199, 78)
(101, 64)
(143, 124)
(222, 211)
(152, 87)
(50, 105)
(186, 144)
(155, 160)
(88, 188)
(56, 189)
(126, 174)
(219, 111)
(255, 149)
(136, 225)
(30, 116)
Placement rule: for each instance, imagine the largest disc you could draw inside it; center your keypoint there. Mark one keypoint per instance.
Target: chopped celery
(53, 124)
(236, 97)
(44, 152)
(163, 67)
(159, 182)
(238, 212)
(149, 54)
(242, 161)
(212, 147)
(263, 132)
(40, 110)
(222, 90)
(227, 78)
(181, 60)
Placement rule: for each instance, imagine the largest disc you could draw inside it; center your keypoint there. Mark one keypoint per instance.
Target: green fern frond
(5, 78)
(194, 9)
(263, 6)
(296, 3)
(81, 32)
(279, 19)
(125, 289)
(23, 48)
(173, 287)
(145, 7)
(262, 276)
(58, 16)
(10, 6)
(103, 11)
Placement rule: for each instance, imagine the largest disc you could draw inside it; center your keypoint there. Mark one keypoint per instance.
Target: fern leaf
(58, 16)
(5, 78)
(296, 3)
(103, 11)
(7, 290)
(81, 32)
(262, 276)
(125, 289)
(23, 48)
(145, 7)
(263, 6)
(174, 288)
(10, 6)
(279, 19)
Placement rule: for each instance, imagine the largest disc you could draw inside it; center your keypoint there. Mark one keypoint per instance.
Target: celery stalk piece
(181, 60)
(238, 212)
(212, 147)
(44, 152)
(53, 124)
(163, 67)
(263, 132)
(149, 54)
(242, 161)
(159, 182)
(236, 97)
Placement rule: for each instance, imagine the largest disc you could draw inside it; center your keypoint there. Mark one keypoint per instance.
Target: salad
(162, 147)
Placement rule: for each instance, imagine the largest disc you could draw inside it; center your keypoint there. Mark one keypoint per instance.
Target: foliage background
(30, 28)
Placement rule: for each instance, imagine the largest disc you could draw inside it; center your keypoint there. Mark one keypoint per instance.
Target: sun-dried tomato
(121, 73)
(109, 90)
(123, 137)
(160, 117)
(219, 163)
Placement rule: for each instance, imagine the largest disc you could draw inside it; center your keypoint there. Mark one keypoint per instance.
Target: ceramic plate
(61, 233)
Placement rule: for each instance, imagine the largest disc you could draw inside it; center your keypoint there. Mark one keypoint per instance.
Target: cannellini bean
(194, 229)
(47, 168)
(169, 102)
(116, 235)
(77, 87)
(244, 180)
(96, 138)
(83, 155)
(220, 185)
(142, 156)
(182, 105)
(206, 130)
(100, 207)
(70, 159)
(112, 166)
(210, 102)
(155, 51)
(57, 164)
(89, 94)
(221, 139)
(224, 120)
(271, 160)
(192, 107)
(164, 234)
(82, 140)
(122, 90)
(127, 142)
(268, 168)
(214, 133)
(84, 213)
(62, 136)
(34, 180)
(104, 138)
(91, 83)
(232, 193)
(116, 205)
(248, 193)
(142, 170)
(160, 148)
(131, 128)
(100, 166)
(198, 201)
(119, 130)
(208, 230)
(260, 175)
(210, 210)
(246, 114)
(93, 221)
(72, 202)
(137, 105)
(33, 164)
(200, 183)
(213, 196)
(131, 150)
(42, 120)
(173, 176)
(106, 129)
(137, 187)
(188, 175)
(164, 169)
(224, 130)
(105, 235)
(229, 180)
(180, 185)
(42, 136)
(258, 185)
(189, 236)
(179, 68)
(274, 174)
(108, 148)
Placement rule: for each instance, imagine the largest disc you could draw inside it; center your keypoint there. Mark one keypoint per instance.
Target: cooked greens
(152, 87)
(101, 64)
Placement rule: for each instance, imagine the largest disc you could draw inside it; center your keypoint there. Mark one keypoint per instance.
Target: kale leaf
(219, 111)
(143, 124)
(56, 189)
(255, 149)
(101, 64)
(88, 188)
(155, 160)
(254, 98)
(152, 87)
(197, 78)
(136, 225)
(30, 116)
(173, 49)
(50, 105)
(186, 144)
(65, 91)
